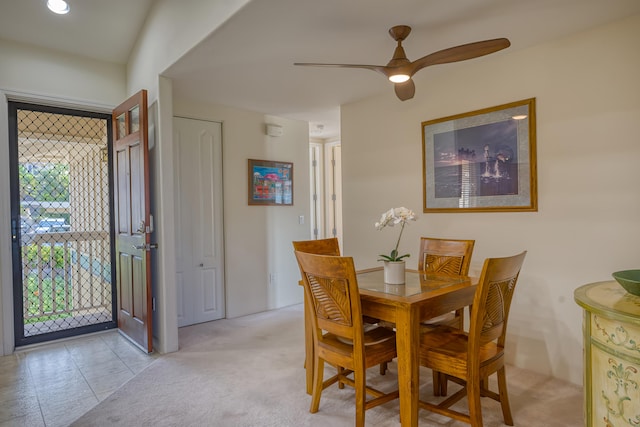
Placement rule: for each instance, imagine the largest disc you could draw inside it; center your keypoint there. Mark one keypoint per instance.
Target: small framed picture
(481, 161)
(270, 183)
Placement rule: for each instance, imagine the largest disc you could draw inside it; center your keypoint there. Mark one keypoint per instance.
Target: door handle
(146, 247)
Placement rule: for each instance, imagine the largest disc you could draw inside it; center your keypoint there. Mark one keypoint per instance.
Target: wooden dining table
(422, 297)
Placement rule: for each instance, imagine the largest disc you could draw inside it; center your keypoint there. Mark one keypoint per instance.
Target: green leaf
(393, 256)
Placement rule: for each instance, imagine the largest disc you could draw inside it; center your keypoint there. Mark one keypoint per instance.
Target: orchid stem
(399, 237)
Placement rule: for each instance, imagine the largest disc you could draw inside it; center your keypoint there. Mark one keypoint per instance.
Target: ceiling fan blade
(461, 53)
(378, 68)
(405, 90)
(400, 66)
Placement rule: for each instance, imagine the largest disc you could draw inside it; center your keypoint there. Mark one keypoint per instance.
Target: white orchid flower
(393, 217)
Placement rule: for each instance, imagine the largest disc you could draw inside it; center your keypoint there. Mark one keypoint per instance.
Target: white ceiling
(247, 63)
(98, 29)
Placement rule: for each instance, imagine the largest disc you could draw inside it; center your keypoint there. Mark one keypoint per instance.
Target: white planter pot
(394, 272)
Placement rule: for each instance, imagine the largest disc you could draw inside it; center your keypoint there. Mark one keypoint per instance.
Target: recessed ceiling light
(58, 6)
(519, 117)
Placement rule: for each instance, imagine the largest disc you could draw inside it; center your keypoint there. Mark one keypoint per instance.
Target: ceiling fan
(399, 69)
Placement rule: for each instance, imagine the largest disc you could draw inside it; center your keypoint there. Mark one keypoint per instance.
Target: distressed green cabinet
(611, 354)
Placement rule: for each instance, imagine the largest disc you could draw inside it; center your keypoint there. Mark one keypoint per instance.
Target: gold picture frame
(481, 161)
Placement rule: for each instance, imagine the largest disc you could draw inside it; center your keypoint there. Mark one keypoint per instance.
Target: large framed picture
(270, 183)
(481, 161)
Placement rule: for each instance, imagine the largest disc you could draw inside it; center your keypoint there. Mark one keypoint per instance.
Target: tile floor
(53, 384)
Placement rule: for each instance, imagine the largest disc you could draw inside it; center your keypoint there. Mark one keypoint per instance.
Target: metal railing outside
(66, 280)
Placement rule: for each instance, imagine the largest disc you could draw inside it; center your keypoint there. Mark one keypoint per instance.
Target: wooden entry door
(199, 255)
(132, 220)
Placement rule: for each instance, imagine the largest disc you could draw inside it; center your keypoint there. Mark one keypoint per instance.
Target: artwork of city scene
(271, 183)
(477, 161)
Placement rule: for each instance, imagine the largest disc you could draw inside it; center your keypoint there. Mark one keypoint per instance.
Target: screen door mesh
(64, 221)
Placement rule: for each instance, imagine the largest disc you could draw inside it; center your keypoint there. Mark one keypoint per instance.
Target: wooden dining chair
(470, 358)
(446, 256)
(331, 246)
(331, 290)
(451, 257)
(319, 247)
(328, 246)
(443, 256)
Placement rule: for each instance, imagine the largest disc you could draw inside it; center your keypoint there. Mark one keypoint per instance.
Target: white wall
(49, 74)
(588, 223)
(170, 31)
(258, 238)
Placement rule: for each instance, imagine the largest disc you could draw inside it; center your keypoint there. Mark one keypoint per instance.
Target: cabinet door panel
(615, 389)
(621, 337)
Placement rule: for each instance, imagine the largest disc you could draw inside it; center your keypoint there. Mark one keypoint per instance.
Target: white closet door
(200, 258)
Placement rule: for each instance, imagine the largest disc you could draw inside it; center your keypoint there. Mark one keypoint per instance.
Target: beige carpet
(249, 372)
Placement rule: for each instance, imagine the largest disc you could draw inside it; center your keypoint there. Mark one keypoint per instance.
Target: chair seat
(375, 353)
(372, 335)
(368, 320)
(453, 343)
(449, 319)
(440, 319)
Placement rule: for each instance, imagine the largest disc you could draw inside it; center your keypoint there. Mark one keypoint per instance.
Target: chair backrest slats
(331, 299)
(332, 291)
(445, 256)
(492, 300)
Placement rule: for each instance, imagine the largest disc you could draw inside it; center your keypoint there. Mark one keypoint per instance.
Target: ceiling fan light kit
(399, 78)
(399, 69)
